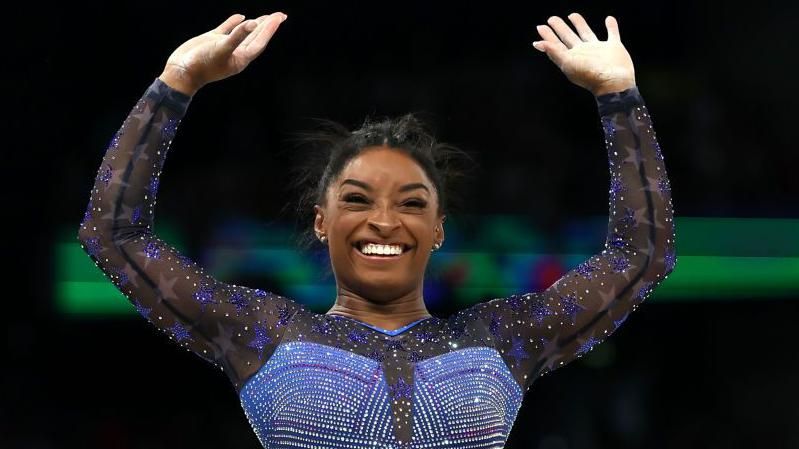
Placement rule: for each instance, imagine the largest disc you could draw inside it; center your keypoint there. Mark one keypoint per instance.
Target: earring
(322, 238)
(435, 246)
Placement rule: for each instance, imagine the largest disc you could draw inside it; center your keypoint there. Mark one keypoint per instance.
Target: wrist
(178, 80)
(613, 87)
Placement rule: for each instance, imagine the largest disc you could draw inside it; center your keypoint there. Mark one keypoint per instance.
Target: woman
(378, 370)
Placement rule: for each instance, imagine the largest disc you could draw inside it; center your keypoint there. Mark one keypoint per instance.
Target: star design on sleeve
(143, 115)
(166, 287)
(550, 353)
(517, 351)
(633, 156)
(127, 213)
(607, 297)
(223, 342)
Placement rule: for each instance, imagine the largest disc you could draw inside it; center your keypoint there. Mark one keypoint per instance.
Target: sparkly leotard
(322, 381)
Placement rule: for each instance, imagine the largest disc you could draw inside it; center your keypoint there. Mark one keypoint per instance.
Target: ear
(319, 220)
(440, 234)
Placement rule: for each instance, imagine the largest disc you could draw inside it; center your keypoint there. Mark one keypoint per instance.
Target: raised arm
(539, 332)
(231, 326)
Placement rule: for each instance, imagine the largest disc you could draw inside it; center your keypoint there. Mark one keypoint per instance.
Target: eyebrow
(405, 188)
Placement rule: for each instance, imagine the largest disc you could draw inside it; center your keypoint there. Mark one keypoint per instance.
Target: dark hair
(321, 154)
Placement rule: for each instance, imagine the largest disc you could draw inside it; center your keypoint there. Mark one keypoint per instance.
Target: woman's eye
(355, 199)
(416, 203)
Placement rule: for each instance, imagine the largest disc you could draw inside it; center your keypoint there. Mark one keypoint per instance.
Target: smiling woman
(378, 370)
(379, 197)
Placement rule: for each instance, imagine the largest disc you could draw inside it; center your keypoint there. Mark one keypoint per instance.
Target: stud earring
(435, 247)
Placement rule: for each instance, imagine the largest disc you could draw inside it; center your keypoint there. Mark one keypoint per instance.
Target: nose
(383, 220)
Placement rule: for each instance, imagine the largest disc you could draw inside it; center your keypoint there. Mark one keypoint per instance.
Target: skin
(389, 296)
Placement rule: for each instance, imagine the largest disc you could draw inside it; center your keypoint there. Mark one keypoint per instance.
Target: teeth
(372, 248)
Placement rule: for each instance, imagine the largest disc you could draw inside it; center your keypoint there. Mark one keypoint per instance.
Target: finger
(267, 26)
(231, 41)
(229, 24)
(613, 29)
(564, 31)
(556, 53)
(550, 37)
(585, 31)
(263, 36)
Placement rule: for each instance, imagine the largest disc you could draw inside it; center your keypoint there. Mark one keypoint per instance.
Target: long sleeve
(539, 332)
(235, 328)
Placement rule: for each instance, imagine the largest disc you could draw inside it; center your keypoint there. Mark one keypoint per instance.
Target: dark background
(719, 81)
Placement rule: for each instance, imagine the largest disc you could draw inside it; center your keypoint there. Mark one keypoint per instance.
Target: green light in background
(717, 259)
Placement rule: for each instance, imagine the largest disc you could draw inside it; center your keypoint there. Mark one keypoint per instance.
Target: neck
(391, 314)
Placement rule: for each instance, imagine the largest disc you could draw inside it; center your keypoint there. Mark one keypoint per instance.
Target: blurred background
(708, 361)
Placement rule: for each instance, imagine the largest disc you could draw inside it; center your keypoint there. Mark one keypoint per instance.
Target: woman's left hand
(599, 66)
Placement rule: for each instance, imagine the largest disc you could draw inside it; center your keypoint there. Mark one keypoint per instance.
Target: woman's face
(381, 196)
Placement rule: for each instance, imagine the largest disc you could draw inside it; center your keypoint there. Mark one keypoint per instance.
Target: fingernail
(284, 18)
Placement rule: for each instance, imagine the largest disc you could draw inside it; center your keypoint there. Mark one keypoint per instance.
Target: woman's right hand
(217, 54)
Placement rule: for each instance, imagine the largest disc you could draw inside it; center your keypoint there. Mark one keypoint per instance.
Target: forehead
(384, 167)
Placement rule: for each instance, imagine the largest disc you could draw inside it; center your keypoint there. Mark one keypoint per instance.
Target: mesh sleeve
(542, 331)
(235, 328)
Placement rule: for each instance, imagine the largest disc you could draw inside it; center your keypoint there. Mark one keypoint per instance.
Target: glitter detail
(260, 340)
(619, 263)
(587, 345)
(322, 327)
(570, 306)
(204, 295)
(238, 299)
(152, 251)
(540, 311)
(401, 389)
(608, 128)
(143, 311)
(645, 290)
(629, 218)
(136, 215)
(106, 175)
(169, 129)
(153, 186)
(586, 269)
(394, 345)
(93, 246)
(358, 336)
(671, 259)
(518, 352)
(179, 332)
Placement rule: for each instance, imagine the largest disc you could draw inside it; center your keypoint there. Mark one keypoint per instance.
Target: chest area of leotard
(309, 388)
